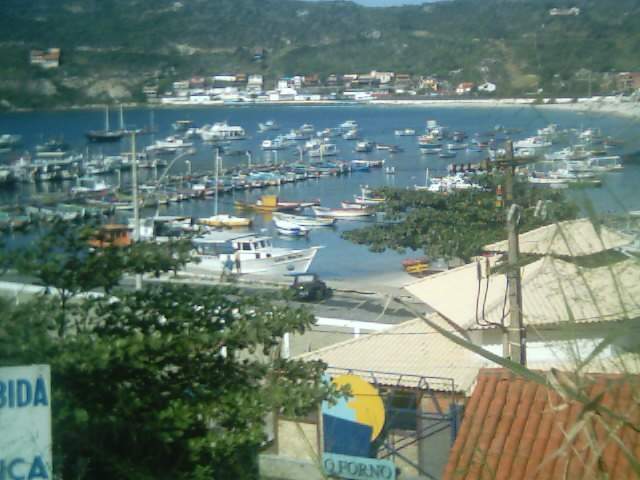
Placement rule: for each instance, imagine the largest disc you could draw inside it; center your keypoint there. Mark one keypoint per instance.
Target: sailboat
(222, 220)
(106, 135)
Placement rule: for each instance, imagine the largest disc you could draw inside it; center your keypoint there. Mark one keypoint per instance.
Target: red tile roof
(518, 429)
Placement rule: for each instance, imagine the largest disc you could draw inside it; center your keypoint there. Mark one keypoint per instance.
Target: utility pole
(215, 187)
(136, 204)
(514, 345)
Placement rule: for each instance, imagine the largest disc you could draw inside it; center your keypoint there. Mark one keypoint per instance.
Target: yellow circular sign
(365, 401)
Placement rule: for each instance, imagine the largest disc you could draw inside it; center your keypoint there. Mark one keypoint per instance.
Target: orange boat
(112, 235)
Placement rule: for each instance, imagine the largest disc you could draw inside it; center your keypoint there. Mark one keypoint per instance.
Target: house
(259, 54)
(464, 88)
(255, 82)
(518, 428)
(181, 88)
(197, 82)
(312, 80)
(430, 83)
(333, 80)
(223, 79)
(402, 80)
(487, 87)
(241, 79)
(382, 77)
(564, 12)
(45, 58)
(297, 81)
(628, 81)
(150, 91)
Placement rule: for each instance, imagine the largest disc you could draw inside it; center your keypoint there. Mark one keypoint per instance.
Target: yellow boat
(270, 203)
(224, 220)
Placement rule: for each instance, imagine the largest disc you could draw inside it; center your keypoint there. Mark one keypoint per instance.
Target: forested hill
(113, 47)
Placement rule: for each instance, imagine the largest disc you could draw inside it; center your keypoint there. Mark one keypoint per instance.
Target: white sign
(25, 423)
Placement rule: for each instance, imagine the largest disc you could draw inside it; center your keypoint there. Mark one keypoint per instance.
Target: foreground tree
(165, 382)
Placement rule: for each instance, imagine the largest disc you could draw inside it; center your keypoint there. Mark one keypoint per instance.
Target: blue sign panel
(357, 468)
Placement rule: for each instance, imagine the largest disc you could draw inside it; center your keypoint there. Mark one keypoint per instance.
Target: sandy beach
(606, 105)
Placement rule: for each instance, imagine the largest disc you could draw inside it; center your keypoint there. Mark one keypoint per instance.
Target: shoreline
(606, 105)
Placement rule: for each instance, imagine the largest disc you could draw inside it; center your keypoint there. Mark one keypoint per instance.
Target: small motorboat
(285, 227)
(343, 213)
(305, 220)
(224, 220)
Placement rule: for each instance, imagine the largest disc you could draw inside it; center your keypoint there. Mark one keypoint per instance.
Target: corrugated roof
(517, 429)
(553, 291)
(572, 238)
(403, 354)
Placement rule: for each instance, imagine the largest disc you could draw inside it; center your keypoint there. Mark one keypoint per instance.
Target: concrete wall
(297, 440)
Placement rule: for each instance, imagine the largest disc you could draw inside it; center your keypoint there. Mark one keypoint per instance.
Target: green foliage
(457, 224)
(166, 382)
(515, 44)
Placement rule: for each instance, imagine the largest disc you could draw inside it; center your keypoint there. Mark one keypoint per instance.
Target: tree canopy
(170, 381)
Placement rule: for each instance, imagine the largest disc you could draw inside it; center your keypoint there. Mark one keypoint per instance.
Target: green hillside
(110, 48)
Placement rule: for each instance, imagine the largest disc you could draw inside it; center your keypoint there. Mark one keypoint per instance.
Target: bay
(339, 259)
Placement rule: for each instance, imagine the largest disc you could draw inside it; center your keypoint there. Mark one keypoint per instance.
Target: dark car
(307, 287)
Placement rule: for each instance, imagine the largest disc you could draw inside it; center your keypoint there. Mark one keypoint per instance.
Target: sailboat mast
(215, 205)
(106, 118)
(121, 119)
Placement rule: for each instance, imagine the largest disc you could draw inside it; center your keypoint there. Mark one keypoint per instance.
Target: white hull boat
(342, 213)
(286, 227)
(246, 254)
(305, 221)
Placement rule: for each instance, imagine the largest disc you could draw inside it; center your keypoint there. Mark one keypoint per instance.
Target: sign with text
(25, 423)
(357, 468)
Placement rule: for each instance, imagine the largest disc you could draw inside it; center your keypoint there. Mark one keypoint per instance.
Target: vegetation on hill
(513, 43)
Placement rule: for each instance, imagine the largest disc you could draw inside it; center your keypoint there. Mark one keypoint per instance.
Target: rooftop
(553, 291)
(572, 238)
(514, 428)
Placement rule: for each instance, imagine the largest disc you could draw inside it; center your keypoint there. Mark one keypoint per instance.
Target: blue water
(339, 258)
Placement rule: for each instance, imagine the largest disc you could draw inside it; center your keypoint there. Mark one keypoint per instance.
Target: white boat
(364, 146)
(349, 125)
(285, 227)
(170, 145)
(90, 186)
(247, 254)
(541, 179)
(343, 213)
(407, 132)
(532, 142)
(275, 144)
(221, 131)
(304, 220)
(182, 125)
(390, 170)
(307, 128)
(324, 150)
(268, 126)
(351, 134)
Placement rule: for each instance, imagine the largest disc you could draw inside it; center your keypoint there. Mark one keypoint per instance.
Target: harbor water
(339, 259)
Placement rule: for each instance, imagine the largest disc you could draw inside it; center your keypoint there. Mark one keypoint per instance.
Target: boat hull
(282, 264)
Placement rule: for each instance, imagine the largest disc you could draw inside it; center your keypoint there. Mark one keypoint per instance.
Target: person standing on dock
(237, 261)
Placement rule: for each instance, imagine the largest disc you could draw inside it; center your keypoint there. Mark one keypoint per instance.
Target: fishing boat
(271, 203)
(349, 125)
(170, 144)
(342, 213)
(267, 126)
(447, 154)
(324, 150)
(225, 221)
(221, 131)
(532, 142)
(285, 227)
(182, 125)
(90, 186)
(106, 135)
(364, 146)
(368, 198)
(305, 220)
(389, 148)
(351, 135)
(246, 253)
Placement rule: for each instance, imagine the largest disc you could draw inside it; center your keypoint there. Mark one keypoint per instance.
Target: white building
(487, 87)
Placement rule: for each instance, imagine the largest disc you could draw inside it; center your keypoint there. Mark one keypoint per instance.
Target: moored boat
(342, 213)
(304, 220)
(246, 254)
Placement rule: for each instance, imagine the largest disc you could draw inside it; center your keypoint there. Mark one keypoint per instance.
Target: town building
(628, 81)
(487, 87)
(464, 88)
(49, 58)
